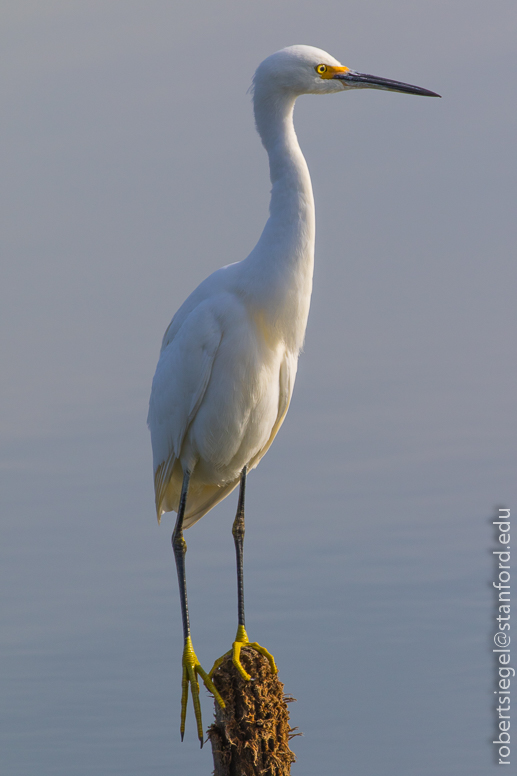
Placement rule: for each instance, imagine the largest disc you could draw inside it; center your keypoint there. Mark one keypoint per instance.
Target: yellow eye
(321, 69)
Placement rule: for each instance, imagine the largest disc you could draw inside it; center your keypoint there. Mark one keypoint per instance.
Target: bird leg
(190, 663)
(241, 639)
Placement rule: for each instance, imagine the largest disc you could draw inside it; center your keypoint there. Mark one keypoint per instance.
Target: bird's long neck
(284, 255)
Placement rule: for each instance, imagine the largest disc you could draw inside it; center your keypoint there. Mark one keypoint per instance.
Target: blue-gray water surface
(131, 170)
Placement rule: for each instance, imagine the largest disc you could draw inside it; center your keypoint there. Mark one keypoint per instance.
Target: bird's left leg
(191, 665)
(241, 639)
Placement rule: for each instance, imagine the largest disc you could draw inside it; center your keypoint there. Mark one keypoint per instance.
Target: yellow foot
(242, 640)
(191, 668)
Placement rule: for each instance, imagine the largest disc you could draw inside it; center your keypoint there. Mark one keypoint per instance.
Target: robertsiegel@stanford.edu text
(502, 637)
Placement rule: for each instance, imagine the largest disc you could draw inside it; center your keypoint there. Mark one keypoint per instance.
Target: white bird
(228, 360)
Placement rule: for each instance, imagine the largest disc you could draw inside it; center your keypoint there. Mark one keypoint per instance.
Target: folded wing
(179, 385)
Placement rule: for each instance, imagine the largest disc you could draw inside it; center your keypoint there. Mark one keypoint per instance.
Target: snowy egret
(228, 360)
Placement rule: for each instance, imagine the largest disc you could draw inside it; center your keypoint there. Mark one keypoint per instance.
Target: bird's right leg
(191, 665)
(241, 639)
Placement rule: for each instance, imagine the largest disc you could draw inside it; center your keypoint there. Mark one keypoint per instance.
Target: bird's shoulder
(217, 293)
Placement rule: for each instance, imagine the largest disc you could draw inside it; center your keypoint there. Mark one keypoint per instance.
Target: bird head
(300, 70)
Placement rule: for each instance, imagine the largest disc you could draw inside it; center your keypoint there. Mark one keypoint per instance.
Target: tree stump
(250, 737)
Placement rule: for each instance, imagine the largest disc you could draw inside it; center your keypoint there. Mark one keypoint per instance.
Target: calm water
(376, 607)
(367, 556)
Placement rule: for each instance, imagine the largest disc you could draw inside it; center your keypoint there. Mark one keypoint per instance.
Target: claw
(191, 669)
(242, 640)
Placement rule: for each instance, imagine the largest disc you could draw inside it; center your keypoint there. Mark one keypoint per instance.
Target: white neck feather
(282, 262)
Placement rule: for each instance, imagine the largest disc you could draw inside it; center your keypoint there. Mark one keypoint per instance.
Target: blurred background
(130, 170)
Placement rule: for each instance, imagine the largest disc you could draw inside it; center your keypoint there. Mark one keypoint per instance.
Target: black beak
(364, 81)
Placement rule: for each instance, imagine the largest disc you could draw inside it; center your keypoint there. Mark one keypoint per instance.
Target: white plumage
(228, 361)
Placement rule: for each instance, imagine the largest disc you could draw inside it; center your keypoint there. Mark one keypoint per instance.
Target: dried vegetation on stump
(250, 737)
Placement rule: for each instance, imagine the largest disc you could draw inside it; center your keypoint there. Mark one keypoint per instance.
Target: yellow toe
(242, 640)
(191, 669)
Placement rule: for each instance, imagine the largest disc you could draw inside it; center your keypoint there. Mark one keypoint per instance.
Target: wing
(207, 499)
(179, 385)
